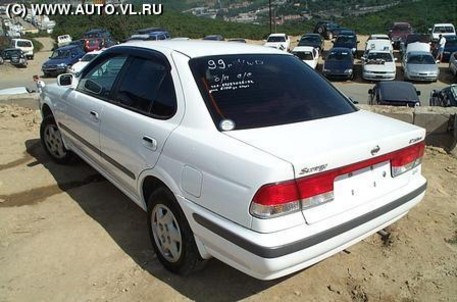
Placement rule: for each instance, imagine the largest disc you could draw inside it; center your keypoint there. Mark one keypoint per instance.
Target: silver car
(420, 66)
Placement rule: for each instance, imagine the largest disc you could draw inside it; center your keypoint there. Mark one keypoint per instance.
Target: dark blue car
(347, 41)
(313, 40)
(339, 64)
(61, 59)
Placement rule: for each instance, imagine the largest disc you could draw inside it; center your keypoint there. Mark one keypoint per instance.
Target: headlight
(62, 65)
(348, 71)
(325, 70)
(354, 50)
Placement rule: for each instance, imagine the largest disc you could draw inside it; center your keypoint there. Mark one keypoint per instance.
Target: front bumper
(269, 256)
(378, 76)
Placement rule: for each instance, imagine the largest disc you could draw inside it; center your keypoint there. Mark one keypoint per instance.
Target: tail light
(277, 199)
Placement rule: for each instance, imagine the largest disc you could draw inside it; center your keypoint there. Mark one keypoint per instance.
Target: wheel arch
(46, 110)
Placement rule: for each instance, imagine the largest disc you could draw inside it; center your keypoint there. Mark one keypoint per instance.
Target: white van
(63, 40)
(25, 45)
(445, 29)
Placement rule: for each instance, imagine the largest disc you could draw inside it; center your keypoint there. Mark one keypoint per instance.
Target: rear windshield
(444, 29)
(24, 44)
(304, 55)
(276, 39)
(251, 91)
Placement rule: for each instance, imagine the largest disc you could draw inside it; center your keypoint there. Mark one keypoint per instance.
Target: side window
(100, 79)
(147, 88)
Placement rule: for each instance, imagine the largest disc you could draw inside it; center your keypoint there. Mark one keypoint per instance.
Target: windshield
(304, 55)
(88, 57)
(375, 57)
(276, 39)
(13, 52)
(259, 90)
(339, 56)
(345, 39)
(60, 54)
(444, 29)
(401, 28)
(421, 59)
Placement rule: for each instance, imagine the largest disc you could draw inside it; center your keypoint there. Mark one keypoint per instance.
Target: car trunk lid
(315, 147)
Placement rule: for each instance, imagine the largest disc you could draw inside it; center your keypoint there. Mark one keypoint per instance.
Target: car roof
(68, 47)
(202, 48)
(340, 49)
(277, 35)
(303, 48)
(397, 90)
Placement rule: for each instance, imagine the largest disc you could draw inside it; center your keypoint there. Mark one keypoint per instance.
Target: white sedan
(78, 66)
(378, 65)
(307, 54)
(235, 151)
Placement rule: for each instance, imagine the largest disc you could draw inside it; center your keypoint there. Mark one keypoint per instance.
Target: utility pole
(269, 10)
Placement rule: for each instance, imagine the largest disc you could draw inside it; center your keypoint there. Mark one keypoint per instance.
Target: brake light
(407, 159)
(277, 199)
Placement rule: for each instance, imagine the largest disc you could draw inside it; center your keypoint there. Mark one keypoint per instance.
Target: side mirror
(65, 79)
(353, 101)
(370, 91)
(418, 92)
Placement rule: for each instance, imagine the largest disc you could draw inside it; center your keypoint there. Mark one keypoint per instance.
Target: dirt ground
(67, 234)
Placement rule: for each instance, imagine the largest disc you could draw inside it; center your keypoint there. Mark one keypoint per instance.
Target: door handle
(150, 143)
(94, 114)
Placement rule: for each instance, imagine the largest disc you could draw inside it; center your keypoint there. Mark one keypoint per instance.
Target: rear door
(136, 125)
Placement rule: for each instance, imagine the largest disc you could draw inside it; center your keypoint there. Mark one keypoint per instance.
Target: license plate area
(355, 189)
(364, 184)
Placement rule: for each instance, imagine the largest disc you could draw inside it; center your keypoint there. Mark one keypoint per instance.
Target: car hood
(278, 45)
(330, 142)
(422, 68)
(338, 65)
(56, 61)
(349, 45)
(386, 67)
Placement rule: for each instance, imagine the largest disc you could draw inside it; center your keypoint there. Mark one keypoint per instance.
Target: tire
(172, 239)
(52, 142)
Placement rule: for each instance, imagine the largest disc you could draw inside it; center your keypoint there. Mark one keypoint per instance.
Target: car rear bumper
(269, 256)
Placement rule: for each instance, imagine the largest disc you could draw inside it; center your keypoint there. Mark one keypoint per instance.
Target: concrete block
(405, 114)
(28, 100)
(433, 122)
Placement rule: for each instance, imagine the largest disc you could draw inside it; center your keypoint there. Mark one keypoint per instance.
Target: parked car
(152, 36)
(453, 64)
(339, 64)
(378, 65)
(445, 29)
(280, 41)
(307, 54)
(446, 97)
(62, 59)
(420, 66)
(173, 137)
(413, 38)
(239, 40)
(378, 37)
(78, 66)
(25, 45)
(15, 56)
(327, 29)
(344, 41)
(80, 43)
(313, 40)
(153, 31)
(63, 40)
(394, 93)
(214, 38)
(398, 33)
(379, 44)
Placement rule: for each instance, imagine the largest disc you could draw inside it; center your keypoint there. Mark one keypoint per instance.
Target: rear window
(251, 91)
(24, 44)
